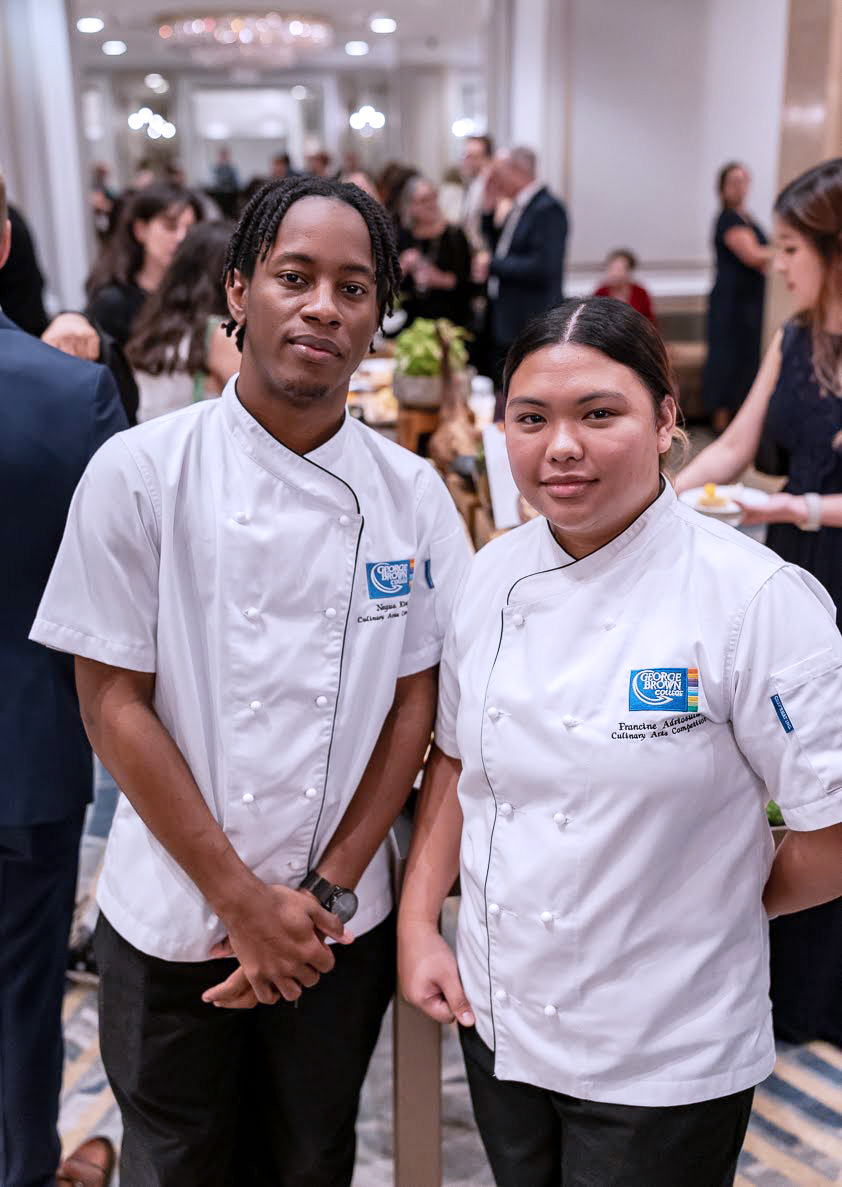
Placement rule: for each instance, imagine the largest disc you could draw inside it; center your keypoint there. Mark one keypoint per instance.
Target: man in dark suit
(21, 282)
(525, 271)
(55, 412)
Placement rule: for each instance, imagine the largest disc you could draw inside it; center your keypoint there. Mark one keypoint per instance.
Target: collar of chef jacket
(309, 473)
(563, 570)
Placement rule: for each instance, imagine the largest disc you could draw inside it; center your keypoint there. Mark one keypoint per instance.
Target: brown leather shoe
(90, 1165)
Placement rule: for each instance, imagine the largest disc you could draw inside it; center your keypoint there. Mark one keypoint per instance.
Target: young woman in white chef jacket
(624, 686)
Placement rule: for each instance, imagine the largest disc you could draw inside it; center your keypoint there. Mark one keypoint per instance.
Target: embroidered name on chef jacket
(390, 579)
(674, 690)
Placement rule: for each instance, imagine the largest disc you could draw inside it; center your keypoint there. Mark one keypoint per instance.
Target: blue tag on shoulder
(783, 716)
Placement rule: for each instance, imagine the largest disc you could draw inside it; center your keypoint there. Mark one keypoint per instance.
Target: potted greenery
(420, 365)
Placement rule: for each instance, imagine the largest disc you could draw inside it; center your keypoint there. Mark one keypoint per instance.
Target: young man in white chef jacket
(256, 590)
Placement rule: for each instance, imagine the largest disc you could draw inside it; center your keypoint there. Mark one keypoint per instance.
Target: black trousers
(38, 867)
(537, 1138)
(227, 1098)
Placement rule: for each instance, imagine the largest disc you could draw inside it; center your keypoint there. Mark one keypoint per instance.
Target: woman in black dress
(435, 259)
(797, 396)
(735, 307)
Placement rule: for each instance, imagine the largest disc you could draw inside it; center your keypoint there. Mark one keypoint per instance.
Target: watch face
(343, 904)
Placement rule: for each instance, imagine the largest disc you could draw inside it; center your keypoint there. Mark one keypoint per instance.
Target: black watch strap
(319, 887)
(337, 899)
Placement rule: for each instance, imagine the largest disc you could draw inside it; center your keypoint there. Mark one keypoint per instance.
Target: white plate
(730, 511)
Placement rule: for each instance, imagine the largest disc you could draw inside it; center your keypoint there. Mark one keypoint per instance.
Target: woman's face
(735, 186)
(584, 442)
(160, 235)
(424, 205)
(617, 272)
(798, 262)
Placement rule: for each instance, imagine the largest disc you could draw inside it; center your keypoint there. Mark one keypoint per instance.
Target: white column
(335, 116)
(529, 81)
(425, 129)
(40, 137)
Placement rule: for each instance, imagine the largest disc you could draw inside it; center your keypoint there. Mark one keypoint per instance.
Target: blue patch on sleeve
(783, 716)
(428, 573)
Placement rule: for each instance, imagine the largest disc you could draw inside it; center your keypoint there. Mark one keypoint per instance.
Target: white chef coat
(619, 739)
(277, 598)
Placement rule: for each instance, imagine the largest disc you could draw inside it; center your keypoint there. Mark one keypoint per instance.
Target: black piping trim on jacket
(342, 654)
(539, 573)
(490, 844)
(555, 569)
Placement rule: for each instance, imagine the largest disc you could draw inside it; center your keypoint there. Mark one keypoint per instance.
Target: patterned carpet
(795, 1136)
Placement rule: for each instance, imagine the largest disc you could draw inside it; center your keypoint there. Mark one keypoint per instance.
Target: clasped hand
(279, 938)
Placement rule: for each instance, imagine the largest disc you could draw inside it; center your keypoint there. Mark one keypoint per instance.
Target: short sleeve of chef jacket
(442, 558)
(448, 705)
(101, 600)
(787, 697)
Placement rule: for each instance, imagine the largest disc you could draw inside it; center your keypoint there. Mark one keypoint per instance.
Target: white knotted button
(330, 612)
(550, 1011)
(493, 908)
(547, 917)
(241, 517)
(321, 702)
(501, 995)
(518, 619)
(569, 721)
(506, 809)
(560, 819)
(609, 626)
(255, 706)
(344, 520)
(311, 793)
(248, 798)
(252, 612)
(493, 713)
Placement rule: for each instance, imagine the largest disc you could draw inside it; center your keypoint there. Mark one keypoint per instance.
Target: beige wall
(811, 112)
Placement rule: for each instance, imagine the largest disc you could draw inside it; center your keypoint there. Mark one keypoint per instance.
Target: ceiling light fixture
(356, 49)
(156, 126)
(463, 127)
(367, 120)
(157, 83)
(383, 24)
(90, 24)
(271, 38)
(114, 48)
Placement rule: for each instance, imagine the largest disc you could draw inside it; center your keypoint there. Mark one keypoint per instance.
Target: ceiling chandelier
(270, 38)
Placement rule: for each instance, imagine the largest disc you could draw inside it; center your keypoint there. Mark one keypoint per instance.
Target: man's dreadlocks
(258, 226)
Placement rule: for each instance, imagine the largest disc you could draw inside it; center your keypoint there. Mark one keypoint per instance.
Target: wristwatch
(337, 899)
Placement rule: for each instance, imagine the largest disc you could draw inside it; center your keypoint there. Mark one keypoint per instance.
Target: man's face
(317, 164)
(310, 308)
(474, 159)
(508, 177)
